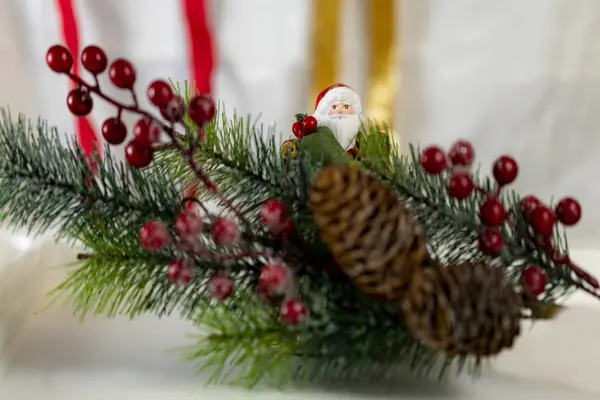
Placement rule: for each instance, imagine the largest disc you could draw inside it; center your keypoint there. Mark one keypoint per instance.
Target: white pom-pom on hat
(337, 92)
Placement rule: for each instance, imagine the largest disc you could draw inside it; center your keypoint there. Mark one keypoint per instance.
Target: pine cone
(372, 236)
(464, 309)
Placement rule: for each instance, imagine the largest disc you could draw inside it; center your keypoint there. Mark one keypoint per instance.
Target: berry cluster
(188, 226)
(304, 126)
(147, 131)
(494, 216)
(275, 279)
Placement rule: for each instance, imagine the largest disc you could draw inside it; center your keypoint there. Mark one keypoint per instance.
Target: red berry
(309, 125)
(138, 155)
(462, 153)
(192, 193)
(491, 242)
(286, 229)
(80, 102)
(568, 211)
(274, 279)
(461, 185)
(352, 152)
(273, 215)
(293, 312)
(297, 130)
(160, 93)
(542, 220)
(94, 59)
(188, 225)
(59, 59)
(180, 272)
(146, 132)
(505, 170)
(529, 204)
(122, 74)
(221, 286)
(114, 131)
(201, 109)
(264, 294)
(492, 213)
(174, 111)
(433, 160)
(226, 232)
(154, 235)
(534, 281)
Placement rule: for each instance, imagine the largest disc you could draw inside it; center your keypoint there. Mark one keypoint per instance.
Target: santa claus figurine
(331, 133)
(338, 108)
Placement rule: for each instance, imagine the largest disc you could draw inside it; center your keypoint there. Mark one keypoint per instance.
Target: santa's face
(341, 108)
(343, 122)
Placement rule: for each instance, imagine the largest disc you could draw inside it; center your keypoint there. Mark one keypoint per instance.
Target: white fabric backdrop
(517, 77)
(514, 77)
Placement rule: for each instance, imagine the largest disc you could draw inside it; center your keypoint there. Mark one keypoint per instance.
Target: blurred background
(514, 77)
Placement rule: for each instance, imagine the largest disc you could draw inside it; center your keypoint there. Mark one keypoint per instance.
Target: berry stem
(173, 135)
(196, 249)
(565, 260)
(195, 200)
(84, 256)
(134, 98)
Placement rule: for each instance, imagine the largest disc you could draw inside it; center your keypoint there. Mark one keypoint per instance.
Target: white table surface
(58, 358)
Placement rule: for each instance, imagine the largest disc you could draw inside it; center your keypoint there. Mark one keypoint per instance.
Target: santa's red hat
(337, 92)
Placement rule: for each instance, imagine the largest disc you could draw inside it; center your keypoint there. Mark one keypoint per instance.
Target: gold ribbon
(382, 82)
(325, 38)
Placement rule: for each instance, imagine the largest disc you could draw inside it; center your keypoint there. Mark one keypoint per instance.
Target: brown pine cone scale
(464, 309)
(372, 235)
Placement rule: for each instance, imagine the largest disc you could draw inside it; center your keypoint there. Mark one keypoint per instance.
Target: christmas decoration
(138, 154)
(154, 235)
(188, 225)
(534, 281)
(114, 131)
(221, 286)
(274, 279)
(294, 312)
(568, 211)
(80, 102)
(338, 108)
(461, 185)
(180, 272)
(146, 132)
(342, 253)
(477, 310)
(59, 59)
(226, 232)
(297, 130)
(160, 93)
(94, 59)
(433, 160)
(462, 153)
(373, 237)
(201, 109)
(122, 74)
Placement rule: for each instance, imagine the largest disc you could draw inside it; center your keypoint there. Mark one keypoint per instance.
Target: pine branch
(44, 185)
(117, 277)
(244, 343)
(449, 218)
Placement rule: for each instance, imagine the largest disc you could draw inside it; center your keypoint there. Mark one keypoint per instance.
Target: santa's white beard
(345, 127)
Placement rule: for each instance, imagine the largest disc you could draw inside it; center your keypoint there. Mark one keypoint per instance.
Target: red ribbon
(87, 137)
(200, 44)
